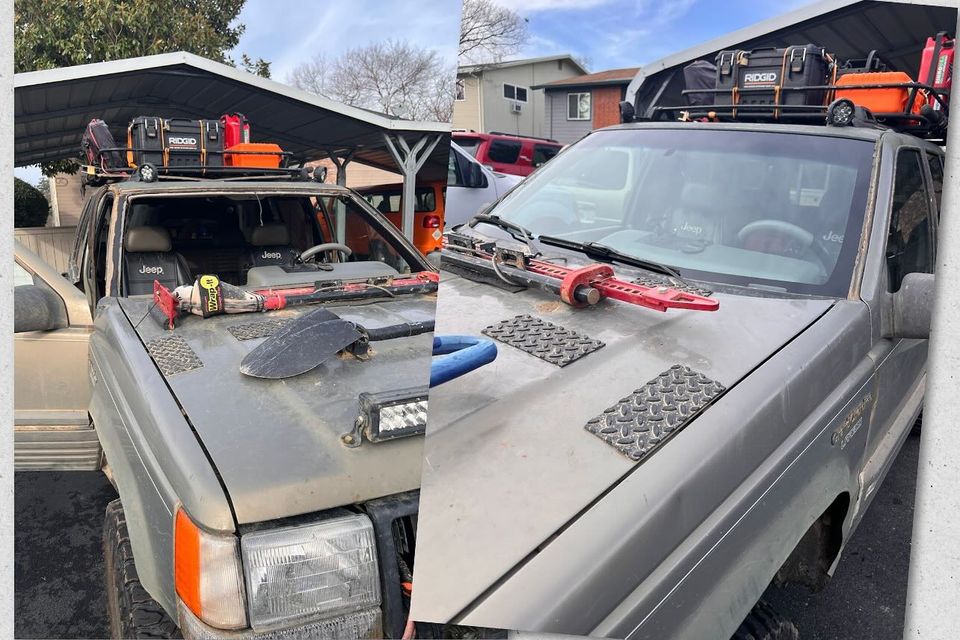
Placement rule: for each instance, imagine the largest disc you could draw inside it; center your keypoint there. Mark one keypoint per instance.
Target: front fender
(154, 456)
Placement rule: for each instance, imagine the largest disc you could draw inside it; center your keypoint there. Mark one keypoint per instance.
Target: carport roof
(52, 108)
(897, 29)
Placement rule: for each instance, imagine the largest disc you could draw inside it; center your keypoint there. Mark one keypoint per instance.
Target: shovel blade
(300, 346)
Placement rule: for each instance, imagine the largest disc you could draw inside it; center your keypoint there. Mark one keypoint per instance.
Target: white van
(471, 186)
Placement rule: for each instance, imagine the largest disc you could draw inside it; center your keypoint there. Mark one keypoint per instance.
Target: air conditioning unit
(516, 107)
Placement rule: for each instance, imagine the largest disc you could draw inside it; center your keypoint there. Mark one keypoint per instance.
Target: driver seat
(695, 218)
(148, 255)
(270, 247)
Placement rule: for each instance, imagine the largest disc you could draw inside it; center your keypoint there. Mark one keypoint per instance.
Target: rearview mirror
(37, 308)
(911, 307)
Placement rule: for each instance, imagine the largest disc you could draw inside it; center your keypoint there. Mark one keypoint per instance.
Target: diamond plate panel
(173, 355)
(543, 339)
(254, 330)
(643, 420)
(656, 280)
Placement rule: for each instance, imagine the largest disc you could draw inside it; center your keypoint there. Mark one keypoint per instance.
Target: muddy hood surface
(276, 443)
(507, 459)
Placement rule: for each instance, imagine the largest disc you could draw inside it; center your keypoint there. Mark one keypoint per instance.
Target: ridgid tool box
(174, 142)
(766, 77)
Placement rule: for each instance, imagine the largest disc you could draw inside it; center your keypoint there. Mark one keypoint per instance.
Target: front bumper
(361, 624)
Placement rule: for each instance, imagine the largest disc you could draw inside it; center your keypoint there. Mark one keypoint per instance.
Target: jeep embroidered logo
(275, 255)
(760, 78)
(156, 271)
(833, 236)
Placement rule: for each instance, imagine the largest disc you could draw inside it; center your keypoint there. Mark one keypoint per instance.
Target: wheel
(132, 612)
(763, 623)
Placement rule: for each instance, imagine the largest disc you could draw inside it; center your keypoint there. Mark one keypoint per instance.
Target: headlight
(395, 414)
(310, 571)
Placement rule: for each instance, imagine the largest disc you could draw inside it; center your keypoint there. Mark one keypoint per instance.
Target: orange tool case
(254, 154)
(885, 100)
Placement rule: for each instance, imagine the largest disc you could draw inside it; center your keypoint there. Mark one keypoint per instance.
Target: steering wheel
(326, 246)
(776, 236)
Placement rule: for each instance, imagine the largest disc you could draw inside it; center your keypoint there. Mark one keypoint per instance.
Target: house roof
(52, 108)
(600, 78)
(476, 68)
(897, 29)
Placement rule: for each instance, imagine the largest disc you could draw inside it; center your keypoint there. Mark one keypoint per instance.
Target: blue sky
(612, 34)
(607, 33)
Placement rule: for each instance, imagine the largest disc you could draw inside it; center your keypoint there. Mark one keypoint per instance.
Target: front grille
(395, 526)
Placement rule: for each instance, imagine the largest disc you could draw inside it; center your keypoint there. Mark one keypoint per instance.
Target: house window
(461, 90)
(513, 92)
(578, 106)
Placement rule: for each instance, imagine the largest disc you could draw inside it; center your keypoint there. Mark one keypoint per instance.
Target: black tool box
(766, 76)
(174, 142)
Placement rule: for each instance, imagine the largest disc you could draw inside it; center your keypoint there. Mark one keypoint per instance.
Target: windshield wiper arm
(603, 252)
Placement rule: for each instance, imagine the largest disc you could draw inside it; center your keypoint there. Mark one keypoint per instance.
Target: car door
(911, 248)
(469, 189)
(52, 430)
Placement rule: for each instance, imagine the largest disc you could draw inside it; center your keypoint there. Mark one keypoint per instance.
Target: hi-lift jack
(578, 287)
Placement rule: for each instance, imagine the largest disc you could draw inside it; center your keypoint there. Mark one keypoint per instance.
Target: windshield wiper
(603, 252)
(512, 228)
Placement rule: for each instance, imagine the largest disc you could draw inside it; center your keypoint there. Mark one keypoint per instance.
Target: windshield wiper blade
(603, 252)
(512, 228)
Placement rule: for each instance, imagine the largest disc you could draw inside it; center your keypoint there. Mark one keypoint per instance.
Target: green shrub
(30, 208)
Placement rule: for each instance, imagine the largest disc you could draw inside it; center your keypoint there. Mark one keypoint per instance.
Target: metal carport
(897, 29)
(52, 108)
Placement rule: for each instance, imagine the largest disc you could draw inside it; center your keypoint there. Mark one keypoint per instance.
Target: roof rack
(927, 123)
(149, 172)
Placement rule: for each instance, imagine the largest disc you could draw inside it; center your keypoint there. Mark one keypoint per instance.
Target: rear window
(505, 151)
(470, 145)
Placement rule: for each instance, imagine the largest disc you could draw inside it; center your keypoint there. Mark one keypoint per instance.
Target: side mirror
(911, 307)
(627, 112)
(37, 308)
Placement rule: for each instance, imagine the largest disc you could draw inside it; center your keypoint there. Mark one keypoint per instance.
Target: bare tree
(489, 32)
(311, 75)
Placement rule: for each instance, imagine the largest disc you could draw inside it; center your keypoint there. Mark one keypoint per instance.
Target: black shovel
(299, 346)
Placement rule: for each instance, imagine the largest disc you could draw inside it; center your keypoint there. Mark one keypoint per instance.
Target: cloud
(287, 34)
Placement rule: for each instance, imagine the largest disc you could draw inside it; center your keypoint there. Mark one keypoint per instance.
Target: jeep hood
(507, 461)
(276, 443)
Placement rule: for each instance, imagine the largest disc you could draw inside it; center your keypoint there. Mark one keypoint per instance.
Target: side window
(454, 178)
(936, 173)
(910, 238)
(505, 151)
(21, 276)
(542, 153)
(95, 266)
(80, 244)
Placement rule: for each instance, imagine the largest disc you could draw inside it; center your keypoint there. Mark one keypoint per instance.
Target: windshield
(741, 207)
(470, 145)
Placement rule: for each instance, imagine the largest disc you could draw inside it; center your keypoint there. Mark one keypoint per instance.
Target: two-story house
(500, 96)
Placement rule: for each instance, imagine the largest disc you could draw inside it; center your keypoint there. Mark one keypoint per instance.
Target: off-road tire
(763, 623)
(131, 610)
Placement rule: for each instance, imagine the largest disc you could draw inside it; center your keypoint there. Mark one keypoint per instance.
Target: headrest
(700, 197)
(147, 240)
(270, 235)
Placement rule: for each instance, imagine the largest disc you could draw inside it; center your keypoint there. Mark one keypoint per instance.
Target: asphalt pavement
(59, 561)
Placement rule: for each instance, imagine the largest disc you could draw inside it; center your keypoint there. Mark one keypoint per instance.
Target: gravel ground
(59, 562)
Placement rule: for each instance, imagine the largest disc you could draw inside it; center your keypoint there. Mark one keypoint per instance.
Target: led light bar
(393, 414)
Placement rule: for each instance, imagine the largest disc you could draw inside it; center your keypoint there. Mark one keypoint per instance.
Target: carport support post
(409, 161)
(934, 583)
(339, 209)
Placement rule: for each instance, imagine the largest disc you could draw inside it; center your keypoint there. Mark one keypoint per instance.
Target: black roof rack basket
(929, 122)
